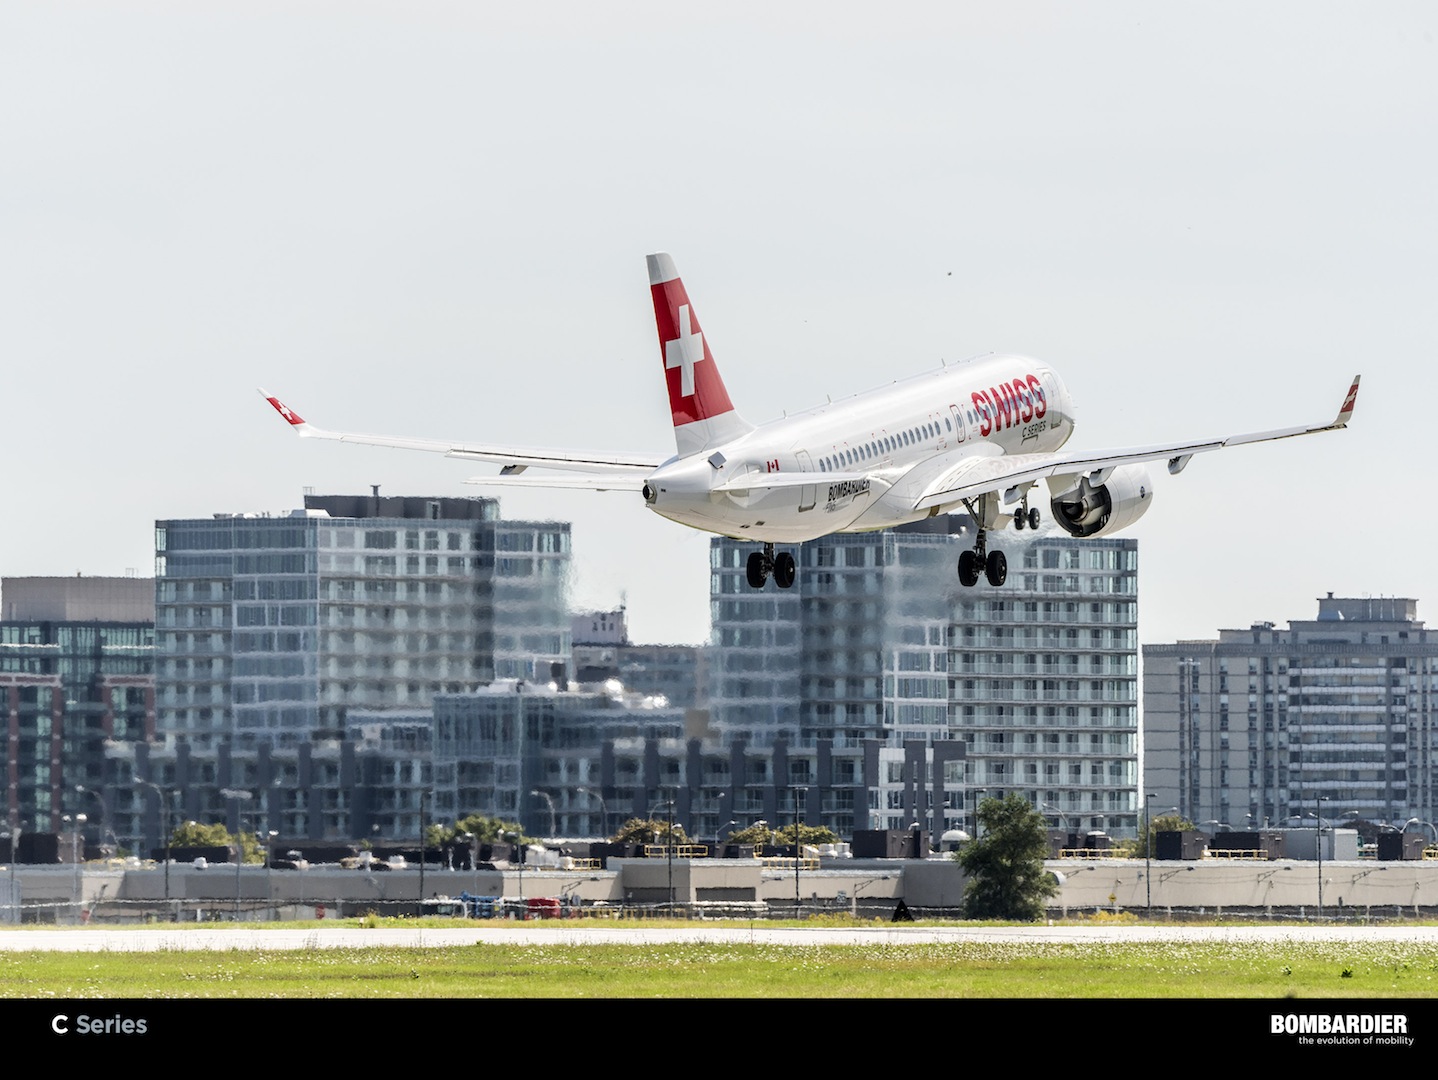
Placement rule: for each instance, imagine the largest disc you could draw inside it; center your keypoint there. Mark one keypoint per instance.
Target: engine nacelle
(1087, 509)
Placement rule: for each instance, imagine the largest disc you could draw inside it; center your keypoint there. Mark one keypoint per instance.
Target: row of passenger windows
(886, 445)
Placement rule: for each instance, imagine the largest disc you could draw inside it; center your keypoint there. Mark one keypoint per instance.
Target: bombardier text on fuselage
(977, 437)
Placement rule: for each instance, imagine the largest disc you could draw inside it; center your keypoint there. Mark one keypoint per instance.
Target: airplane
(976, 436)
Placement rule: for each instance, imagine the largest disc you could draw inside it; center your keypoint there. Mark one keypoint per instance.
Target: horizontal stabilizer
(578, 482)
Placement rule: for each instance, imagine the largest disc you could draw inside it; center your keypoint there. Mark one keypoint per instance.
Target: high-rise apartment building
(272, 631)
(1265, 726)
(76, 674)
(274, 627)
(878, 644)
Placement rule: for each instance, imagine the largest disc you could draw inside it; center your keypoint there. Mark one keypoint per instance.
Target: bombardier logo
(845, 492)
(848, 488)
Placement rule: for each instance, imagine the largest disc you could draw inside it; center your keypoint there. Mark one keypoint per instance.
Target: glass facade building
(274, 627)
(297, 656)
(1267, 726)
(76, 674)
(877, 644)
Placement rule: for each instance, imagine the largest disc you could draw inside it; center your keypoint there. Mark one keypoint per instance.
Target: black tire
(968, 569)
(784, 570)
(1019, 518)
(997, 570)
(1034, 518)
(754, 570)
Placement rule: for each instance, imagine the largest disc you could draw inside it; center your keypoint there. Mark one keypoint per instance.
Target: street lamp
(78, 821)
(238, 796)
(1061, 816)
(669, 847)
(553, 826)
(167, 823)
(799, 791)
(603, 809)
(1319, 806)
(14, 838)
(81, 789)
(516, 839)
(1148, 850)
(473, 859)
(423, 798)
(270, 835)
(719, 814)
(297, 857)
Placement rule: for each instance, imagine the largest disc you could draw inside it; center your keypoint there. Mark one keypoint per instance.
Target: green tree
(486, 830)
(811, 835)
(1007, 879)
(758, 834)
(648, 831)
(193, 834)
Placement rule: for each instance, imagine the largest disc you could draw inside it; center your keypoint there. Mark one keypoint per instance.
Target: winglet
(1346, 413)
(293, 418)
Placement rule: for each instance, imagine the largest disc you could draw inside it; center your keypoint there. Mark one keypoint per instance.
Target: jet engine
(1103, 501)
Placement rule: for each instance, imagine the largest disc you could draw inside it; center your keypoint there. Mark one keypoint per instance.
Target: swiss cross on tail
(284, 410)
(1348, 402)
(684, 352)
(696, 392)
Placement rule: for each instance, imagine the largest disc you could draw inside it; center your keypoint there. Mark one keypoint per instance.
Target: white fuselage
(896, 439)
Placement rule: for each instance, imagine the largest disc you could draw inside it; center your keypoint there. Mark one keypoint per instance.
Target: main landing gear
(763, 563)
(992, 564)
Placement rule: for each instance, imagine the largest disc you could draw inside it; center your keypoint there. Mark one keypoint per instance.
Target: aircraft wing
(974, 476)
(514, 459)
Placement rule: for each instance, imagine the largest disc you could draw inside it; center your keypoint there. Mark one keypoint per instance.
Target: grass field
(950, 970)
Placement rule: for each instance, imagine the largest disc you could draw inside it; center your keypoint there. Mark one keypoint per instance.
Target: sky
(430, 219)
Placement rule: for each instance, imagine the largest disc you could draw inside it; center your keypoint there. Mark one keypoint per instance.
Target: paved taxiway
(171, 939)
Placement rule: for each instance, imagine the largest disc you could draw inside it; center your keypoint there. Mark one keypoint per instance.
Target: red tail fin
(703, 414)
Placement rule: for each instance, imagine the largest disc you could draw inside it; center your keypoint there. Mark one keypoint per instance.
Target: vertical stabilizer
(704, 417)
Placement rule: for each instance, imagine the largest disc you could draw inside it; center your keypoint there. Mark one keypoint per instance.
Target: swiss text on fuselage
(1009, 403)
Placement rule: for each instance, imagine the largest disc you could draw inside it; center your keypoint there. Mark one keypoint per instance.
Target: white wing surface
(616, 471)
(974, 476)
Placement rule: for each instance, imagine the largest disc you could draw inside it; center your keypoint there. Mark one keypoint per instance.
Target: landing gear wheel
(784, 570)
(1034, 518)
(997, 570)
(1020, 518)
(968, 569)
(756, 571)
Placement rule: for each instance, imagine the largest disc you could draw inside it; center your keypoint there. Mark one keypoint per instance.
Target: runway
(229, 938)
